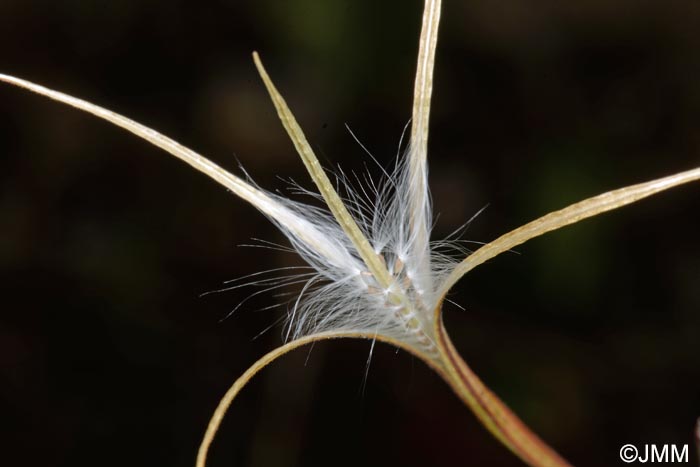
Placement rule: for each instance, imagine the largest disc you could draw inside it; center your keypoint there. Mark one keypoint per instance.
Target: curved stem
(225, 402)
(569, 215)
(492, 412)
(261, 200)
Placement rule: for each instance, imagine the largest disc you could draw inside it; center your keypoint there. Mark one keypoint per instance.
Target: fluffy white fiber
(395, 297)
(373, 271)
(341, 293)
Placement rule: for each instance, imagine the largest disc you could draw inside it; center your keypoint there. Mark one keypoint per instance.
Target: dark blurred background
(108, 355)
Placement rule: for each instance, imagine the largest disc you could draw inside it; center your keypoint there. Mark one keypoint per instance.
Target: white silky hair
(341, 294)
(373, 268)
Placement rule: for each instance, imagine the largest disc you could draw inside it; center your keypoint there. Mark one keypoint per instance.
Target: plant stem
(492, 412)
